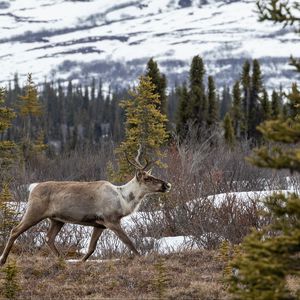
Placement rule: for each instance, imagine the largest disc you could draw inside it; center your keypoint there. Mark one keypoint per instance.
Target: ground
(186, 275)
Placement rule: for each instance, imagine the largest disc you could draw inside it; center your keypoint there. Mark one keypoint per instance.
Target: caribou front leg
(117, 229)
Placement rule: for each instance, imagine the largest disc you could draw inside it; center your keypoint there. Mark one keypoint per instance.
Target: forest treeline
(72, 115)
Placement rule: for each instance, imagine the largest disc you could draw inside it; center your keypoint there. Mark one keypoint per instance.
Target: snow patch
(39, 36)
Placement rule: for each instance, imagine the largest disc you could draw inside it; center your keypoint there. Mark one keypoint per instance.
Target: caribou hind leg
(24, 225)
(93, 243)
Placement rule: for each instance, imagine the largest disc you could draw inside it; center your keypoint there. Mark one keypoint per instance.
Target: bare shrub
(203, 203)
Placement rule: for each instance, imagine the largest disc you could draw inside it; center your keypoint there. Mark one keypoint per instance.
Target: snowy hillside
(114, 39)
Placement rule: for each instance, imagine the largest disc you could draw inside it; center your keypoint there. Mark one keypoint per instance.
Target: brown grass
(188, 275)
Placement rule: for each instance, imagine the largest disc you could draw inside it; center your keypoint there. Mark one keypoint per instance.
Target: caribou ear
(139, 175)
(149, 172)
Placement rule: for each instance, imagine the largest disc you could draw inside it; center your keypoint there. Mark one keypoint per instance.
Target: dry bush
(198, 170)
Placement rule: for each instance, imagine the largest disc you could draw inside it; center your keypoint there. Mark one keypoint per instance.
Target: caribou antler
(136, 163)
(148, 163)
(137, 158)
(132, 163)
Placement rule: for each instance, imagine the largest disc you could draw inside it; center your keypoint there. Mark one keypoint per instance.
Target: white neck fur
(132, 195)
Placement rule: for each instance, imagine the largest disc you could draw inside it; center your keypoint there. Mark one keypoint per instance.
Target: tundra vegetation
(199, 136)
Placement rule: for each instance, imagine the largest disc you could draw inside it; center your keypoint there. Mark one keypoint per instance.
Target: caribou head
(143, 175)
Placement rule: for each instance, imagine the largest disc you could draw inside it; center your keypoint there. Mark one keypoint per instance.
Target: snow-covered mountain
(114, 39)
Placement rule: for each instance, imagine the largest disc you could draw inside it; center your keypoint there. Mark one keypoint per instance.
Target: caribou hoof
(2, 261)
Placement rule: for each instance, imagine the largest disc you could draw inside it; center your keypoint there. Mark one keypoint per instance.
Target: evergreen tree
(160, 82)
(63, 129)
(268, 256)
(284, 12)
(182, 116)
(7, 214)
(17, 89)
(70, 104)
(236, 110)
(11, 282)
(93, 90)
(293, 98)
(228, 131)
(254, 100)
(275, 105)
(65, 107)
(145, 125)
(99, 113)
(265, 106)
(7, 157)
(173, 102)
(30, 108)
(198, 108)
(225, 102)
(213, 108)
(7, 147)
(52, 119)
(85, 100)
(246, 85)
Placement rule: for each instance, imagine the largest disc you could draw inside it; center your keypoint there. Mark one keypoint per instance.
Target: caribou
(99, 204)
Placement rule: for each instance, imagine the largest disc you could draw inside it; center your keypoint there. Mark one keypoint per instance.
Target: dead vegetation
(186, 275)
(197, 172)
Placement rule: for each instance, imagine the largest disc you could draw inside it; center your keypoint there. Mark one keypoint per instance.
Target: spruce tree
(7, 157)
(160, 82)
(265, 106)
(30, 108)
(225, 102)
(283, 12)
(7, 214)
(29, 105)
(197, 108)
(145, 125)
(246, 85)
(236, 110)
(275, 105)
(7, 147)
(271, 254)
(213, 107)
(254, 100)
(228, 131)
(173, 102)
(85, 100)
(70, 104)
(293, 98)
(182, 114)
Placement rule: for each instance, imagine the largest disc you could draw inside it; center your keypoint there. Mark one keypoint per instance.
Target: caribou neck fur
(132, 196)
